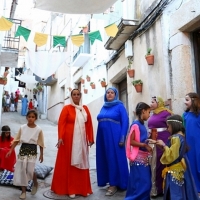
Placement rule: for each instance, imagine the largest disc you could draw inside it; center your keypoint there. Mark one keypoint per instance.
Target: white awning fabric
(44, 63)
(26, 78)
(75, 6)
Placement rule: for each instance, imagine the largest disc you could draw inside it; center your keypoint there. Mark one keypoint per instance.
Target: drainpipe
(13, 8)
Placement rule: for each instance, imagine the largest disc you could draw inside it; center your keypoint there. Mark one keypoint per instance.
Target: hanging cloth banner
(21, 31)
(59, 40)
(77, 39)
(44, 63)
(40, 39)
(111, 30)
(5, 24)
(96, 35)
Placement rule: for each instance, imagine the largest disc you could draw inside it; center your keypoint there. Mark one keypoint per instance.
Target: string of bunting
(40, 39)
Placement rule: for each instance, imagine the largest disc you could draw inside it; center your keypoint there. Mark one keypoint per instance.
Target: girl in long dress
(30, 135)
(5, 145)
(75, 134)
(178, 181)
(139, 185)
(192, 125)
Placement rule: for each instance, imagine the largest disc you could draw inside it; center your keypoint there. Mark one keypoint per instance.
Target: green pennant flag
(21, 31)
(59, 40)
(96, 35)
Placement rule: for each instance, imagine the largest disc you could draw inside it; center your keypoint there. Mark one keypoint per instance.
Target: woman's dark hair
(5, 129)
(176, 122)
(26, 96)
(195, 106)
(139, 108)
(32, 111)
(74, 90)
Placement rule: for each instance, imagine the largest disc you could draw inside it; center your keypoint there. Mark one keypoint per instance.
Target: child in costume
(178, 182)
(5, 145)
(30, 135)
(138, 152)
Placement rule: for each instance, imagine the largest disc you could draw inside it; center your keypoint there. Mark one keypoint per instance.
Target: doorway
(122, 86)
(196, 43)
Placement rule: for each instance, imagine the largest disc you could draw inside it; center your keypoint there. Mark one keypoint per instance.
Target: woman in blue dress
(192, 125)
(138, 152)
(112, 166)
(178, 182)
(24, 106)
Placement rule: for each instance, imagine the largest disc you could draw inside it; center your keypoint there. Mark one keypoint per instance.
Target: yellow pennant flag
(5, 24)
(111, 30)
(77, 39)
(40, 39)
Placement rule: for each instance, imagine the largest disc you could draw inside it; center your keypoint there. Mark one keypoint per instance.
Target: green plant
(149, 51)
(87, 76)
(92, 83)
(137, 82)
(129, 63)
(3, 78)
(102, 80)
(39, 87)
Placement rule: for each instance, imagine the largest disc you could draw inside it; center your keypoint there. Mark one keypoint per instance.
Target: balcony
(125, 28)
(10, 46)
(83, 54)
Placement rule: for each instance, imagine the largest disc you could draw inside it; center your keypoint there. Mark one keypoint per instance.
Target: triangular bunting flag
(5, 24)
(111, 30)
(59, 40)
(77, 39)
(94, 36)
(21, 31)
(40, 39)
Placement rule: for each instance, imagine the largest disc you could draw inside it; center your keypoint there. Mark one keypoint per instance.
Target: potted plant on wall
(35, 91)
(85, 90)
(3, 80)
(70, 89)
(92, 84)
(138, 85)
(103, 82)
(130, 72)
(82, 81)
(149, 57)
(40, 88)
(88, 78)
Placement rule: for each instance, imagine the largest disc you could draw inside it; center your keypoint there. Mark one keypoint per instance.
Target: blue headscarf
(115, 100)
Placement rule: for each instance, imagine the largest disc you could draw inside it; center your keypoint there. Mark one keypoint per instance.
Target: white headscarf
(79, 157)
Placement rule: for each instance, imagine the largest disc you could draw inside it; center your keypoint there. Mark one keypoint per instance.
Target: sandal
(111, 192)
(23, 195)
(34, 189)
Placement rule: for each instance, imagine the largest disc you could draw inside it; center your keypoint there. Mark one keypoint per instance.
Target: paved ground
(14, 120)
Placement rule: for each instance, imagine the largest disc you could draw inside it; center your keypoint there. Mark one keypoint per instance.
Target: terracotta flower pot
(131, 73)
(88, 79)
(103, 83)
(85, 91)
(150, 59)
(82, 81)
(93, 86)
(138, 88)
(3, 82)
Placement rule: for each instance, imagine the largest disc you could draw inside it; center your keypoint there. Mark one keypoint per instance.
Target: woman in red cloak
(75, 133)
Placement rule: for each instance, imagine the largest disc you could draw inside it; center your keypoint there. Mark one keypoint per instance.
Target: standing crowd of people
(163, 156)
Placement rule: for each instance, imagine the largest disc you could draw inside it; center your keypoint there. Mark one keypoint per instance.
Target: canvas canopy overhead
(44, 63)
(75, 6)
(25, 78)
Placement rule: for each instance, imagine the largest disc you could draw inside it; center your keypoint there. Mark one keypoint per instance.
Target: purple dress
(158, 121)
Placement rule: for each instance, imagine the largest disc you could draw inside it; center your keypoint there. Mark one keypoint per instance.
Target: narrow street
(14, 120)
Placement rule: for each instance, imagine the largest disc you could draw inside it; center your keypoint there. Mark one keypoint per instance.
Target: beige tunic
(24, 168)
